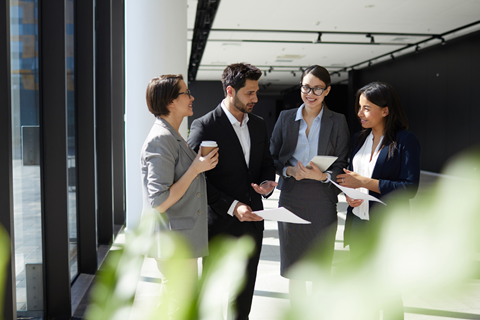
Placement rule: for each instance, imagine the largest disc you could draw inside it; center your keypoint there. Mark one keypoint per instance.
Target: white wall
(155, 44)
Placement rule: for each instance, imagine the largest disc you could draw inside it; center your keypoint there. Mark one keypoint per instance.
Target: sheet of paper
(281, 214)
(355, 194)
(322, 162)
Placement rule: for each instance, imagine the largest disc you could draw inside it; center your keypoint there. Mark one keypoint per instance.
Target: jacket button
(198, 195)
(199, 212)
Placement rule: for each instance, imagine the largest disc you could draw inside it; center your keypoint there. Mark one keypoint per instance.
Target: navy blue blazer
(400, 172)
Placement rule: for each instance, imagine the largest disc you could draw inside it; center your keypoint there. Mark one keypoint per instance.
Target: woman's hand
(202, 164)
(353, 202)
(314, 173)
(351, 179)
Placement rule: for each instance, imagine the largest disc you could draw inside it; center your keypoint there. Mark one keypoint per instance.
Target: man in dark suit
(245, 170)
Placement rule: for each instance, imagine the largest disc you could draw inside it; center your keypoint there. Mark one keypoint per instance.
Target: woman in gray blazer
(298, 136)
(173, 179)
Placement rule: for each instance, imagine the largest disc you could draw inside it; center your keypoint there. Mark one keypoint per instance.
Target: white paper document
(322, 162)
(281, 214)
(355, 194)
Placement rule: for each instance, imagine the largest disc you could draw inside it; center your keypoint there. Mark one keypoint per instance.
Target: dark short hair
(161, 91)
(235, 75)
(383, 95)
(319, 72)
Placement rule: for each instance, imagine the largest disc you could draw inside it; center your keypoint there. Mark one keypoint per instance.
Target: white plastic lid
(209, 144)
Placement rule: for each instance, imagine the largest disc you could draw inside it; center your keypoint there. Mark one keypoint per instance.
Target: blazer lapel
(325, 131)
(382, 157)
(181, 142)
(291, 137)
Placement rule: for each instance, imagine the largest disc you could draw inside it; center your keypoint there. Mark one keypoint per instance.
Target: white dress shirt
(364, 167)
(241, 129)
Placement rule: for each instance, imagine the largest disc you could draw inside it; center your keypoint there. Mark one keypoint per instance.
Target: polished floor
(271, 290)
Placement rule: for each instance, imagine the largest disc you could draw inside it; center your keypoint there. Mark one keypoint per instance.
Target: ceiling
(281, 37)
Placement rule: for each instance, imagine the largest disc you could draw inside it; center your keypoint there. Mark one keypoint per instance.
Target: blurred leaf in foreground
(426, 250)
(4, 259)
(116, 283)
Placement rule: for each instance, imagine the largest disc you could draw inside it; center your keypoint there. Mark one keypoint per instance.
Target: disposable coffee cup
(207, 147)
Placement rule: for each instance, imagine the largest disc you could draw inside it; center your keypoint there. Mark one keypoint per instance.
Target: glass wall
(72, 181)
(26, 154)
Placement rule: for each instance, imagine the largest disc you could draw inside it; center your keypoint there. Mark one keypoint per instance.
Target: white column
(155, 44)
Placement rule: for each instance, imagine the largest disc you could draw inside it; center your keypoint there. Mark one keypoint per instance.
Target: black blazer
(231, 179)
(334, 140)
(400, 172)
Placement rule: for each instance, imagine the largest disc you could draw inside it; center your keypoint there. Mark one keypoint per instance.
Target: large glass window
(72, 195)
(26, 155)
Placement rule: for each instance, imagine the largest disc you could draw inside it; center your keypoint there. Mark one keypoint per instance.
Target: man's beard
(241, 106)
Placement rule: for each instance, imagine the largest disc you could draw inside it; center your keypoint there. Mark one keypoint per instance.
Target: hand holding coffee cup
(207, 157)
(207, 147)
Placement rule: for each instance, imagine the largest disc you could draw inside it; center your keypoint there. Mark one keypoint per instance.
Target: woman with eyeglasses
(298, 136)
(174, 183)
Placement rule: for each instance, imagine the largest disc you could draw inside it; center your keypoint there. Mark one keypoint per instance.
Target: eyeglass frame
(312, 90)
(187, 92)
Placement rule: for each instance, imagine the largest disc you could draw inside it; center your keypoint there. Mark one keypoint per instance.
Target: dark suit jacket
(231, 179)
(400, 172)
(334, 140)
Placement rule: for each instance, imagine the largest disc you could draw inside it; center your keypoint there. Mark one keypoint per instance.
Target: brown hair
(161, 91)
(235, 75)
(319, 72)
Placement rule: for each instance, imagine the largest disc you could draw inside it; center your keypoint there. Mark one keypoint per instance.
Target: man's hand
(244, 213)
(264, 188)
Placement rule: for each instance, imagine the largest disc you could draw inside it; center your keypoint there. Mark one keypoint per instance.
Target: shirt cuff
(232, 208)
(329, 176)
(265, 196)
(285, 173)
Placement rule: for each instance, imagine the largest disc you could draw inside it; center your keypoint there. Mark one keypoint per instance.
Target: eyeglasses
(316, 91)
(187, 92)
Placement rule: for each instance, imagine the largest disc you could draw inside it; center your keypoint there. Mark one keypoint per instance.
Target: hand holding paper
(355, 194)
(281, 214)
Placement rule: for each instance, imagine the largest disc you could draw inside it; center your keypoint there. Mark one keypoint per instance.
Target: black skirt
(309, 200)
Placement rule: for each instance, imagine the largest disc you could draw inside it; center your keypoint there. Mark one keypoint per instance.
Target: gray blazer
(165, 158)
(334, 140)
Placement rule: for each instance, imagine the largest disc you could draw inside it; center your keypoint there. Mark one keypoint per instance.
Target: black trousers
(242, 304)
(391, 304)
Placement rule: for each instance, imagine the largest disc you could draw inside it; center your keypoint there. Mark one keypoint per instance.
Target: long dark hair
(383, 95)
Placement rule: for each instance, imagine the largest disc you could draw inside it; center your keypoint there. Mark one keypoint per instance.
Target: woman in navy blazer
(385, 160)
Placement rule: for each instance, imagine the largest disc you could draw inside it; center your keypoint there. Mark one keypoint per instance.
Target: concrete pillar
(155, 44)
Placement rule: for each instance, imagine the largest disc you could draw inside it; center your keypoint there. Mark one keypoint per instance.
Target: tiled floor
(271, 290)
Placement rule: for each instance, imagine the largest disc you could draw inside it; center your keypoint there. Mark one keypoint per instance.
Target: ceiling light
(369, 35)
